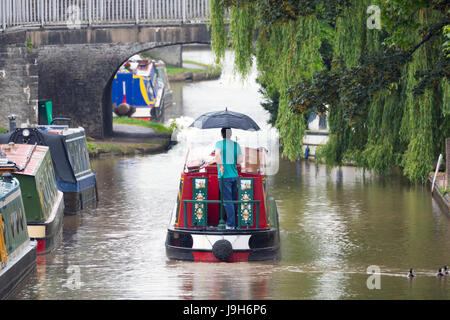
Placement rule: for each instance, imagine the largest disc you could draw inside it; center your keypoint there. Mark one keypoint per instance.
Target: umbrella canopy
(225, 119)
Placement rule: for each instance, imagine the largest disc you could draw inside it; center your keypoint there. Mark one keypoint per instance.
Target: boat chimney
(12, 122)
(7, 177)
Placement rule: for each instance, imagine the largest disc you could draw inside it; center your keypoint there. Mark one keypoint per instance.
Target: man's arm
(240, 156)
(218, 158)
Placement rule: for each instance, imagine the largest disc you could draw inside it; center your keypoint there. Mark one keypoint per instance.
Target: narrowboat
(17, 253)
(43, 202)
(70, 157)
(140, 89)
(197, 232)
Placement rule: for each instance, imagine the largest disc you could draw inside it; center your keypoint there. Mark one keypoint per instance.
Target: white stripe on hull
(206, 241)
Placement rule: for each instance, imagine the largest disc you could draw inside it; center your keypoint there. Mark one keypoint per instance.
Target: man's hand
(221, 169)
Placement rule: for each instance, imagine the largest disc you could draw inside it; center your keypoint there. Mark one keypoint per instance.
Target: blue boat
(139, 92)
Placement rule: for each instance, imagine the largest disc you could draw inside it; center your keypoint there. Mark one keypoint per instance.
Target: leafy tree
(386, 91)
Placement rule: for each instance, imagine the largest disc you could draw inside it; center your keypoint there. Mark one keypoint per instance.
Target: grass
(174, 71)
(203, 65)
(94, 148)
(444, 191)
(208, 68)
(142, 123)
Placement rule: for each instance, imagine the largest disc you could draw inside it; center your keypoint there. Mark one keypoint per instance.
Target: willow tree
(386, 90)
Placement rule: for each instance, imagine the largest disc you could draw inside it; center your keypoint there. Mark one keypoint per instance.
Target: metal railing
(72, 14)
(221, 202)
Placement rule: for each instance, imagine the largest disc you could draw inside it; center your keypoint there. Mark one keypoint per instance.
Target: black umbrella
(225, 119)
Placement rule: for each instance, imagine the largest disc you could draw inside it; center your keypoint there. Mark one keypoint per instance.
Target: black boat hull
(17, 269)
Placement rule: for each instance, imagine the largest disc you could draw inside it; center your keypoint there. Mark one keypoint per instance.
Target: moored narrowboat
(17, 252)
(197, 231)
(139, 89)
(82, 191)
(70, 157)
(43, 202)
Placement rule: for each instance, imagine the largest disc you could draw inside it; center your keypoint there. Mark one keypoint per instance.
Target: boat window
(12, 226)
(17, 223)
(79, 156)
(45, 179)
(3, 227)
(22, 219)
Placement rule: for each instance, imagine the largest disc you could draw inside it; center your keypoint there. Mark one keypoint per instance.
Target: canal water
(335, 225)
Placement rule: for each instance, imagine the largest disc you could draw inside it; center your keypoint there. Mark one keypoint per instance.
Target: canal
(334, 225)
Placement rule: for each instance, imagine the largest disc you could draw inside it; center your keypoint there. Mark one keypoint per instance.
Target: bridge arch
(76, 67)
(107, 97)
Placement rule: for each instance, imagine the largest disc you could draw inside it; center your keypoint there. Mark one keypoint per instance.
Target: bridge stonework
(18, 80)
(75, 69)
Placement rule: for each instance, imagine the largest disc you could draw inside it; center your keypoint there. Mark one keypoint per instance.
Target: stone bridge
(74, 66)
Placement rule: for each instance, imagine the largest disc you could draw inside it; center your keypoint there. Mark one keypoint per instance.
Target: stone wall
(77, 78)
(75, 68)
(18, 80)
(171, 55)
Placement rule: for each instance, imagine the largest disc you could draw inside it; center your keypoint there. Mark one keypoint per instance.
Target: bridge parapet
(45, 53)
(76, 14)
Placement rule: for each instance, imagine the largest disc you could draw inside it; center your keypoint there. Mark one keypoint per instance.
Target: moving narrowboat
(197, 230)
(43, 202)
(140, 90)
(17, 252)
(70, 157)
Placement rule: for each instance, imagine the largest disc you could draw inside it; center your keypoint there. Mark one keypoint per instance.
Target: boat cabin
(142, 88)
(70, 157)
(197, 230)
(44, 205)
(199, 190)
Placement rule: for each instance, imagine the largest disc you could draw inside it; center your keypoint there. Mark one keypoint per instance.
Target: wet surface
(334, 225)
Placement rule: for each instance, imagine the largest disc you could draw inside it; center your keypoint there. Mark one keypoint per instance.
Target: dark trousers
(229, 193)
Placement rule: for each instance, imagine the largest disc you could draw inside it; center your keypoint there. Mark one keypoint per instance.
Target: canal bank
(194, 71)
(130, 140)
(438, 184)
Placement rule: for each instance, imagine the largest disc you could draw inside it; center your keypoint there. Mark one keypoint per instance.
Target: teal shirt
(230, 150)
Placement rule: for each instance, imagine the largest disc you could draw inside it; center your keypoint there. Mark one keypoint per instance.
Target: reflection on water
(334, 224)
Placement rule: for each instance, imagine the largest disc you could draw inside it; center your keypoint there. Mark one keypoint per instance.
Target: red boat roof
(25, 156)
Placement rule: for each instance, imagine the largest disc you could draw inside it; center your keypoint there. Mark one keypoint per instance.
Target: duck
(445, 270)
(411, 274)
(440, 274)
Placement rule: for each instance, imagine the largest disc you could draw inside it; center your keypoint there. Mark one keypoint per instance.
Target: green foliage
(271, 101)
(446, 44)
(386, 91)
(142, 123)
(29, 45)
(292, 129)
(242, 25)
(219, 40)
